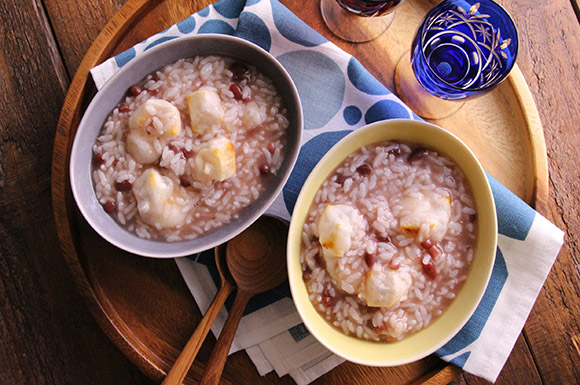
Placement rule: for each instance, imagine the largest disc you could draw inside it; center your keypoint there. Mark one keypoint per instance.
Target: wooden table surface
(47, 335)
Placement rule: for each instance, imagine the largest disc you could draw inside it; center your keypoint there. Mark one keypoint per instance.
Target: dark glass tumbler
(358, 21)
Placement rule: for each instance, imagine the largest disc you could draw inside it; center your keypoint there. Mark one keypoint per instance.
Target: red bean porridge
(189, 148)
(388, 241)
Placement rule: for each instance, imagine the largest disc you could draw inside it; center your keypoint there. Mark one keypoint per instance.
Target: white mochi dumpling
(336, 227)
(168, 122)
(216, 161)
(252, 116)
(157, 200)
(430, 208)
(155, 119)
(142, 148)
(206, 111)
(384, 287)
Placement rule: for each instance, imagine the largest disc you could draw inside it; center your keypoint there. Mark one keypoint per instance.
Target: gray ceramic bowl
(115, 89)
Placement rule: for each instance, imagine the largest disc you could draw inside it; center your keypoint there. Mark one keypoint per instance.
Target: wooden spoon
(189, 352)
(257, 261)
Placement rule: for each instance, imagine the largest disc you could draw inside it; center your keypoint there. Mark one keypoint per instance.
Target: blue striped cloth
(339, 96)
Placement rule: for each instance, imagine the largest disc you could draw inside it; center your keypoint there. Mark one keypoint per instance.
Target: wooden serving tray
(144, 306)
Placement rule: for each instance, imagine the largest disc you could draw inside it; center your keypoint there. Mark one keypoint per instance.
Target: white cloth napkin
(338, 96)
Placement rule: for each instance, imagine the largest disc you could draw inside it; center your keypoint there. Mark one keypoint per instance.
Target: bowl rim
(420, 344)
(107, 227)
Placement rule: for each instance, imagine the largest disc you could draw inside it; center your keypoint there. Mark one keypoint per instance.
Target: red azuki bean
(394, 265)
(432, 248)
(110, 206)
(429, 269)
(385, 238)
(319, 260)
(340, 178)
(326, 292)
(427, 244)
(185, 180)
(98, 159)
(135, 90)
(264, 169)
(370, 259)
(189, 153)
(153, 92)
(364, 169)
(417, 153)
(174, 148)
(327, 301)
(271, 147)
(435, 251)
(239, 71)
(124, 107)
(123, 185)
(238, 91)
(396, 150)
(307, 274)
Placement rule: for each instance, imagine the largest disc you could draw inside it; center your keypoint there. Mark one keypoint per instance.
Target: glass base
(412, 93)
(351, 27)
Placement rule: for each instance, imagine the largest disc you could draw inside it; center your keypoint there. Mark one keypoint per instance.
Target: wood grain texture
(129, 323)
(46, 335)
(187, 356)
(219, 355)
(40, 306)
(256, 261)
(69, 18)
(550, 62)
(256, 258)
(142, 354)
(64, 213)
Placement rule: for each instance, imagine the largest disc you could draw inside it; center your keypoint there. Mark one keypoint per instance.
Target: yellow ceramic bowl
(451, 321)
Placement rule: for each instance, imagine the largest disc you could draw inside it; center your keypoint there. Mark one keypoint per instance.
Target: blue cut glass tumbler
(462, 48)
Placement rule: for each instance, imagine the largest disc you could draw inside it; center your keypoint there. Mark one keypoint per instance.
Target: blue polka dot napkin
(338, 96)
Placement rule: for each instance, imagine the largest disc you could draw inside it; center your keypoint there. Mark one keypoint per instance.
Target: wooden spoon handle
(189, 352)
(217, 360)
